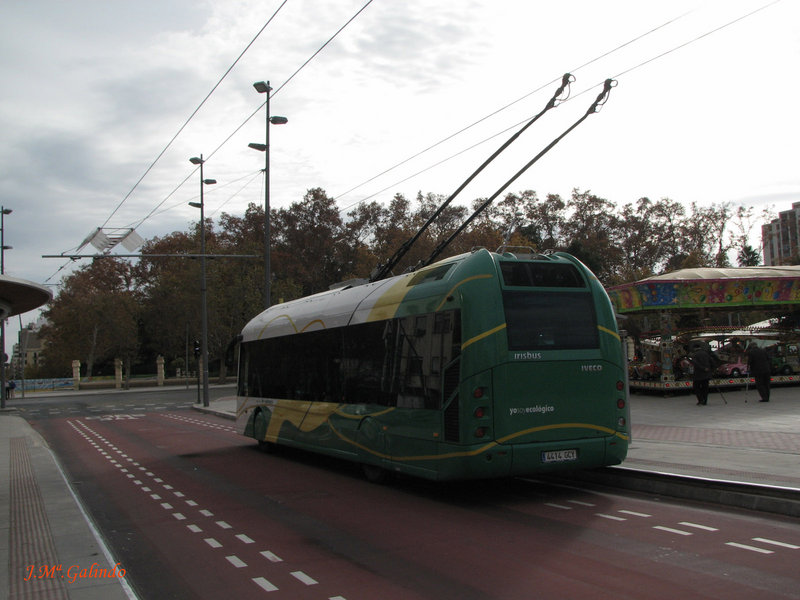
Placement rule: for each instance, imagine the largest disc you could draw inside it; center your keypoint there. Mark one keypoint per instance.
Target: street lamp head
(196, 161)
(196, 204)
(262, 87)
(278, 120)
(7, 211)
(209, 181)
(259, 147)
(8, 247)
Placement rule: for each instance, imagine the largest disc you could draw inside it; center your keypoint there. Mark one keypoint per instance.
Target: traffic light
(196, 348)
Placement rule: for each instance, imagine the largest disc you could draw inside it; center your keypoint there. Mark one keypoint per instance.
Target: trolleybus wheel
(374, 474)
(260, 431)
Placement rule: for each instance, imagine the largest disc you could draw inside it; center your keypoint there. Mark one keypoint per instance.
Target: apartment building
(780, 239)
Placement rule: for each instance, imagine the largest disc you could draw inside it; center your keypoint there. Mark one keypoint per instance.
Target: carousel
(726, 309)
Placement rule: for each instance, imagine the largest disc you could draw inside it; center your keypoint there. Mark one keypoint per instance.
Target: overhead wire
(698, 38)
(174, 137)
(163, 151)
(517, 124)
(257, 110)
(251, 175)
(512, 103)
(194, 112)
(292, 76)
(239, 191)
(599, 57)
(382, 270)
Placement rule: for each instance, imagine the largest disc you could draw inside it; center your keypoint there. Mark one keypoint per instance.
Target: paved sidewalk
(733, 438)
(47, 537)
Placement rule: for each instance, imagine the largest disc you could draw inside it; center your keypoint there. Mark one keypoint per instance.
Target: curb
(212, 411)
(764, 498)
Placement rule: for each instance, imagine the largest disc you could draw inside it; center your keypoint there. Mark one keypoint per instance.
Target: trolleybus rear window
(550, 320)
(539, 274)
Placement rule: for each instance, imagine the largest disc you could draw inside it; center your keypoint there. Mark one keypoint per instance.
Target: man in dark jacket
(759, 368)
(703, 369)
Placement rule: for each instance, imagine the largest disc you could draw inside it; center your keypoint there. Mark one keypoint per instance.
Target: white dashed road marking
(611, 517)
(236, 561)
(264, 584)
(304, 578)
(750, 548)
(671, 530)
(696, 526)
(214, 543)
(271, 557)
(774, 543)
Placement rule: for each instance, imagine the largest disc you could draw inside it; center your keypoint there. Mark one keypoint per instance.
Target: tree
(547, 220)
(94, 317)
(743, 223)
(748, 256)
(111, 309)
(591, 232)
(648, 236)
(309, 238)
(170, 289)
(701, 234)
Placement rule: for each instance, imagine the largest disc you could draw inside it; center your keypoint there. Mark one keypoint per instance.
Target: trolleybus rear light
(480, 412)
(480, 432)
(621, 422)
(620, 403)
(620, 386)
(477, 392)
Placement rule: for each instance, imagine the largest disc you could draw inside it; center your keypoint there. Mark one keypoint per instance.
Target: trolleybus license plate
(549, 456)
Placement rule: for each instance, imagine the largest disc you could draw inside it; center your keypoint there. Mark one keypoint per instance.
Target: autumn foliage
(113, 308)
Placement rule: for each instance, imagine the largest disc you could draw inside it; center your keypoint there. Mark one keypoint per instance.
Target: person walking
(758, 367)
(703, 369)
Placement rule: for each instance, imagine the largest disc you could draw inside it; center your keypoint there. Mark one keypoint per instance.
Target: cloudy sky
(94, 90)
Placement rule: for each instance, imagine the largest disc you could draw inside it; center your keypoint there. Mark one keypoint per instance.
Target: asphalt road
(192, 510)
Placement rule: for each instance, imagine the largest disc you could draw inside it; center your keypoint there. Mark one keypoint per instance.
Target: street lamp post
(204, 306)
(263, 87)
(3, 212)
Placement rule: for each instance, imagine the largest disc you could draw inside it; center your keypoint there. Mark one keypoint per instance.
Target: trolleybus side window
(366, 364)
(432, 274)
(397, 362)
(550, 320)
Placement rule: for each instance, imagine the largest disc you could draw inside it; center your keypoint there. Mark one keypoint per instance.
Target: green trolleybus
(481, 365)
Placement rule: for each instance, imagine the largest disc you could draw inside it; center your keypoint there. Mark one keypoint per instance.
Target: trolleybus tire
(268, 447)
(260, 431)
(374, 474)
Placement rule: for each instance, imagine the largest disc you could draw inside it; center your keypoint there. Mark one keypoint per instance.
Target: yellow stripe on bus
(459, 284)
(485, 334)
(564, 426)
(476, 451)
(608, 331)
(268, 323)
(292, 323)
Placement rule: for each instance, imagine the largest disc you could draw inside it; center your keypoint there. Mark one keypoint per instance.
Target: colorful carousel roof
(752, 287)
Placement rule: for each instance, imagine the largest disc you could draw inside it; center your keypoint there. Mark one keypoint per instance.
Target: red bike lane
(198, 508)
